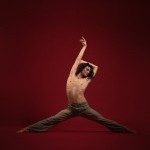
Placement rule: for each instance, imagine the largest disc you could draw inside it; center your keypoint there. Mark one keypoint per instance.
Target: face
(86, 71)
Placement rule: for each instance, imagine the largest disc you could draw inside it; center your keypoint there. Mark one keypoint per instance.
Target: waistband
(78, 107)
(79, 104)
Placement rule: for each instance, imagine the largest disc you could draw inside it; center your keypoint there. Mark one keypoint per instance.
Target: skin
(76, 85)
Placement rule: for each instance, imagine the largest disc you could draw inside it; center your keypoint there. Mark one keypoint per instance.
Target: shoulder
(71, 76)
(88, 80)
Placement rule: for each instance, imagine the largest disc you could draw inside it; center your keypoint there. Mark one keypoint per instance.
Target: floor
(56, 139)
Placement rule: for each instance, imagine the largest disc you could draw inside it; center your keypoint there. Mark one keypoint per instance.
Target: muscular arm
(95, 67)
(79, 57)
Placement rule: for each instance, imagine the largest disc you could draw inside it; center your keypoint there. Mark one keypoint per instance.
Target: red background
(39, 42)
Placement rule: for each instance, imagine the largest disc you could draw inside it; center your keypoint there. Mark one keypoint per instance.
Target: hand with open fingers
(83, 41)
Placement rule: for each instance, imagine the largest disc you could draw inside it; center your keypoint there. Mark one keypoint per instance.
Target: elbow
(96, 67)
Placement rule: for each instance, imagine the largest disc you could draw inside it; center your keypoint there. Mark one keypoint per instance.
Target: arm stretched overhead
(79, 57)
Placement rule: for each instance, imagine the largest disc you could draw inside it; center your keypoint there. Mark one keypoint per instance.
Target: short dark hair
(81, 66)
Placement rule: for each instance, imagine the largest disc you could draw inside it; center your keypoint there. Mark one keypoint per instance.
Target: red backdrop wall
(39, 42)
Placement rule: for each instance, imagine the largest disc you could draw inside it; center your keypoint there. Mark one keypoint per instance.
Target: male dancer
(80, 76)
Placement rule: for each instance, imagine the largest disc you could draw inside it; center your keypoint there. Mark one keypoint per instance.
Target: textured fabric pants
(73, 110)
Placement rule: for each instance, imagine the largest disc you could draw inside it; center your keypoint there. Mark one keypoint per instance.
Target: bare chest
(79, 83)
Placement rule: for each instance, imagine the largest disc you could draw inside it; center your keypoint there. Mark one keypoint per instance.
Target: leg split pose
(80, 76)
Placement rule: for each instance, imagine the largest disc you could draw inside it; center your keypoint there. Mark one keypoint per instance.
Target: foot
(124, 131)
(24, 130)
(130, 131)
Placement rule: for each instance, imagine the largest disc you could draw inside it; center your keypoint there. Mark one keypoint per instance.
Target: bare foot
(131, 131)
(126, 130)
(24, 130)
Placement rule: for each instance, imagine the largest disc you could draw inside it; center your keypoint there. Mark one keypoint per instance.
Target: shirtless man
(80, 76)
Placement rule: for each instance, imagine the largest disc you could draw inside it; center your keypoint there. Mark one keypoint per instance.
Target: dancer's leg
(112, 125)
(45, 124)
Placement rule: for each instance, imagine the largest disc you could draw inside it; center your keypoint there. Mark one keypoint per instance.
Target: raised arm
(95, 67)
(79, 57)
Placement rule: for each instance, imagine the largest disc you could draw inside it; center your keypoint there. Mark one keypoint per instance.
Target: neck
(80, 76)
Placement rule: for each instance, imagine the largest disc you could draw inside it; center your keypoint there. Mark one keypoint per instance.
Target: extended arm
(79, 57)
(95, 67)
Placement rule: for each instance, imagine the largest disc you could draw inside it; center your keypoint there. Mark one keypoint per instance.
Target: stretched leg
(112, 125)
(45, 124)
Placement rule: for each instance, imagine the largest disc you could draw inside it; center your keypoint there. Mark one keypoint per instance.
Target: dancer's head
(86, 70)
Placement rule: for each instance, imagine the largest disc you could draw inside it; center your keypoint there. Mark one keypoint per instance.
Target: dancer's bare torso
(75, 88)
(76, 84)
